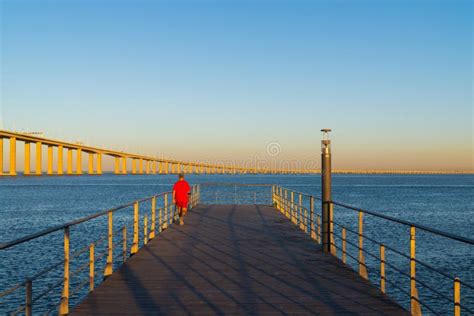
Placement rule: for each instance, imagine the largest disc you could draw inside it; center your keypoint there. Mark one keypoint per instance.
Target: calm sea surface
(445, 202)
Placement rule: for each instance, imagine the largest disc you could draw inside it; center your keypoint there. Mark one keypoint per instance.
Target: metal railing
(235, 193)
(298, 207)
(160, 215)
(301, 212)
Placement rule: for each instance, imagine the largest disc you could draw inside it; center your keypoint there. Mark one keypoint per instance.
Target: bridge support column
(134, 166)
(326, 191)
(140, 166)
(79, 161)
(90, 165)
(124, 165)
(147, 167)
(27, 167)
(69, 161)
(60, 160)
(50, 160)
(117, 165)
(12, 156)
(166, 170)
(39, 154)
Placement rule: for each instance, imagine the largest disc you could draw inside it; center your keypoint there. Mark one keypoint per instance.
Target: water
(445, 202)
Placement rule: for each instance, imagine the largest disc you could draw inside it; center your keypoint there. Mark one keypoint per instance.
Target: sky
(233, 80)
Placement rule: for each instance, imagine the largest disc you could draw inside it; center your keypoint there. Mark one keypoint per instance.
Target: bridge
(140, 164)
(250, 249)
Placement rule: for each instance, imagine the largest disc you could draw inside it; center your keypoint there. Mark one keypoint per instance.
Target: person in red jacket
(181, 191)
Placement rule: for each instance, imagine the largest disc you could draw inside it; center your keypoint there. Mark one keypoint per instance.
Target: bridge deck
(235, 259)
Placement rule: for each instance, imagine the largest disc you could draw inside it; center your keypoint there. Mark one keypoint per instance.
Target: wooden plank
(235, 259)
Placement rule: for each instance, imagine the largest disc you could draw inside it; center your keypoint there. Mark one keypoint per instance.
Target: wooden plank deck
(235, 259)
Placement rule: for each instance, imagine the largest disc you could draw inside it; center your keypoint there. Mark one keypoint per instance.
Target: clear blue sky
(205, 79)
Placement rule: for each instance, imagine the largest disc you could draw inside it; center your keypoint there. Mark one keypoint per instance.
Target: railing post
(326, 189)
(276, 197)
(28, 297)
(292, 207)
(199, 193)
(280, 200)
(305, 219)
(165, 208)
(109, 265)
(273, 196)
(382, 268)
(160, 219)
(300, 207)
(64, 305)
(344, 259)
(135, 229)
(153, 217)
(124, 243)
(362, 266)
(415, 308)
(311, 216)
(457, 297)
(145, 229)
(91, 267)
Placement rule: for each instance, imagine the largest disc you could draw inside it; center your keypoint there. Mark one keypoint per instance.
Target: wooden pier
(235, 259)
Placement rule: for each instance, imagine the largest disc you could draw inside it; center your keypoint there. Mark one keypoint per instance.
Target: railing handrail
(394, 219)
(408, 223)
(50, 230)
(207, 184)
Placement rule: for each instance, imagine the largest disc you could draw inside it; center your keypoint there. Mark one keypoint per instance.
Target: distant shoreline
(355, 172)
(400, 172)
